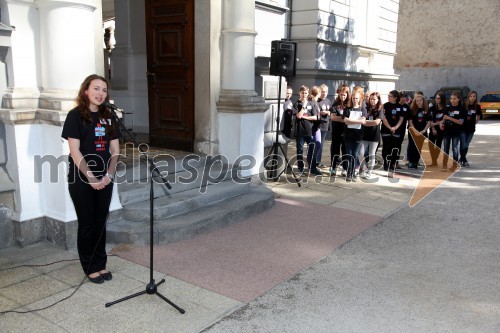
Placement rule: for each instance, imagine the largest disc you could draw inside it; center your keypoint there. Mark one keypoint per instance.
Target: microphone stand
(151, 287)
(273, 152)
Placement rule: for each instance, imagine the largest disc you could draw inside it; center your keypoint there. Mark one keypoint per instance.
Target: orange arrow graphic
(437, 169)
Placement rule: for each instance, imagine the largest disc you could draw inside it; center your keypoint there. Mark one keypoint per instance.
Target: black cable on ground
(41, 265)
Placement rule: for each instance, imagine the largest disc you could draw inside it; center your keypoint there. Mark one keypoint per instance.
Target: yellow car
(490, 102)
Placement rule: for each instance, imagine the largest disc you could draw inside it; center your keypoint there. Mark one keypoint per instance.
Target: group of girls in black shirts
(358, 124)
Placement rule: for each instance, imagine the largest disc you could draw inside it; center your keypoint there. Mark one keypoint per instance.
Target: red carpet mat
(246, 259)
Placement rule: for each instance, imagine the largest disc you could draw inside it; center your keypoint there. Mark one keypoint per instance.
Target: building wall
(345, 41)
(447, 43)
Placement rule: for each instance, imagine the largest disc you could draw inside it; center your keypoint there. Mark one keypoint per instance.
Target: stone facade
(448, 43)
(345, 41)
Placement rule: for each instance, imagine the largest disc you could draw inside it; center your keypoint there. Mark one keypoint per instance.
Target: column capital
(241, 101)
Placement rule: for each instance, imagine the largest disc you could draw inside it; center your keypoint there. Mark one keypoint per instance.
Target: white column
(241, 111)
(23, 56)
(66, 50)
(238, 53)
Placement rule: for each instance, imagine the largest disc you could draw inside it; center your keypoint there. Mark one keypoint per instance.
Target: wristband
(110, 176)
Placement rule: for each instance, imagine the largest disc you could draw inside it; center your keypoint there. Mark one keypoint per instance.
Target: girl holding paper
(354, 119)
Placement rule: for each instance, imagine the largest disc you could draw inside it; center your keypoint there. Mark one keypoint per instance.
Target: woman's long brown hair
(348, 102)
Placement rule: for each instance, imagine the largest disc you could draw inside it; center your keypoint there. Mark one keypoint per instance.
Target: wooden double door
(170, 71)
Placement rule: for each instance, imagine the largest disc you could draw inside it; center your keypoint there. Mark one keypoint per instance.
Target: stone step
(186, 226)
(201, 178)
(138, 168)
(182, 202)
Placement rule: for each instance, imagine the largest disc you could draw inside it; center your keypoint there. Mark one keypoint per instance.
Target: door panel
(170, 45)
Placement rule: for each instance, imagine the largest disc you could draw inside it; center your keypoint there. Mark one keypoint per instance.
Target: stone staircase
(205, 195)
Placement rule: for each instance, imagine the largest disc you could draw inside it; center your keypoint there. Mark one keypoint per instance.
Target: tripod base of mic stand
(274, 153)
(151, 288)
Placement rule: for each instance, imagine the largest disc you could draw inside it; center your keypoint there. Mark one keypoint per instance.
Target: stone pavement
(429, 268)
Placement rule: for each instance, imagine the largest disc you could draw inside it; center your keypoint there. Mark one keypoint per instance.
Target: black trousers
(413, 152)
(337, 147)
(390, 151)
(438, 141)
(92, 208)
(287, 124)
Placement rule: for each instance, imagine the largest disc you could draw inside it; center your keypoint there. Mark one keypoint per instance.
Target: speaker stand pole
(151, 287)
(273, 152)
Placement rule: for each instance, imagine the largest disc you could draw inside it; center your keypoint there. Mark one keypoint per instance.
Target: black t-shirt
(287, 118)
(420, 119)
(406, 114)
(305, 127)
(94, 142)
(372, 133)
(437, 116)
(392, 113)
(324, 105)
(337, 126)
(352, 132)
(288, 106)
(456, 112)
(470, 119)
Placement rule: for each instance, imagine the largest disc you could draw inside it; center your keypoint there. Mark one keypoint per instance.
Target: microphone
(118, 112)
(113, 107)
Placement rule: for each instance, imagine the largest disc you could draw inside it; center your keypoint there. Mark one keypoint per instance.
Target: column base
(6, 227)
(59, 233)
(241, 101)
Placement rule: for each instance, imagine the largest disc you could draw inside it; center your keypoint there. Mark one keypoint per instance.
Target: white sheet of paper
(355, 115)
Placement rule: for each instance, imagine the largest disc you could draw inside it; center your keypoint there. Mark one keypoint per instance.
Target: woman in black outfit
(420, 120)
(474, 113)
(93, 138)
(392, 121)
(341, 103)
(436, 134)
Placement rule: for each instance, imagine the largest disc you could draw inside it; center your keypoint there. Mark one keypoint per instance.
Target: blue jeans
(322, 143)
(368, 152)
(465, 139)
(312, 147)
(454, 139)
(352, 150)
